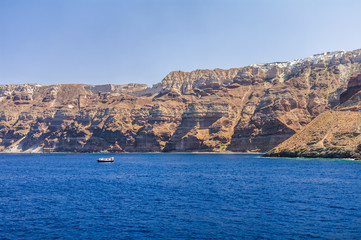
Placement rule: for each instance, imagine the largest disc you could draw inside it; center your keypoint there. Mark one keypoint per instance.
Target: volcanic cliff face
(335, 133)
(353, 86)
(252, 108)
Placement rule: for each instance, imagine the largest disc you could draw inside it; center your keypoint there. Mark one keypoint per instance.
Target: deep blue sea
(178, 196)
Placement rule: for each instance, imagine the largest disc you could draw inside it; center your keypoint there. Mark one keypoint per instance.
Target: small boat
(108, 159)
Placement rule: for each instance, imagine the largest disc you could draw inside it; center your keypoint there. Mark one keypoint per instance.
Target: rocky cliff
(335, 133)
(252, 108)
(353, 86)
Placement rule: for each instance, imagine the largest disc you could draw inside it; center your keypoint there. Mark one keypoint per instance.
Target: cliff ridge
(252, 108)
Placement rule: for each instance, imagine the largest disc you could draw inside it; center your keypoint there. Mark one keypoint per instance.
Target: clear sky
(141, 41)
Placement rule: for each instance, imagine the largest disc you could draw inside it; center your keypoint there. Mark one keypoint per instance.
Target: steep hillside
(253, 108)
(335, 133)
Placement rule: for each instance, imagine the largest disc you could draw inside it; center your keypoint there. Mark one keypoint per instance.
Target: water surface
(178, 196)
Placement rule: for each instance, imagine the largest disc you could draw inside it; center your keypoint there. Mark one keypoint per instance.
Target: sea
(178, 196)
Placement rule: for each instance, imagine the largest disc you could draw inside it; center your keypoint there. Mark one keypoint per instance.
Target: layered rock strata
(252, 108)
(333, 134)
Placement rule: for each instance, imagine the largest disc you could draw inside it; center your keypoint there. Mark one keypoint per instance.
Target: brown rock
(353, 86)
(252, 108)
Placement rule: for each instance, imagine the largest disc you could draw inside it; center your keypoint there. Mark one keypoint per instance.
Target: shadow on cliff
(272, 132)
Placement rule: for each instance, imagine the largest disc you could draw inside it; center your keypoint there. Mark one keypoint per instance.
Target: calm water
(178, 196)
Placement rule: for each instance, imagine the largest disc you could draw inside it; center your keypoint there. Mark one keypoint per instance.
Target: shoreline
(261, 155)
(104, 153)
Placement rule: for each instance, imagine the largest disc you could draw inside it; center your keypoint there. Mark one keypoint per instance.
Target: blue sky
(141, 41)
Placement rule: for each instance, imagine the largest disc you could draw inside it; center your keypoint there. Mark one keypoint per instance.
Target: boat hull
(110, 159)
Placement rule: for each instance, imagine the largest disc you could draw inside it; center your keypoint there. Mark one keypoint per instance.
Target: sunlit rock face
(332, 134)
(252, 108)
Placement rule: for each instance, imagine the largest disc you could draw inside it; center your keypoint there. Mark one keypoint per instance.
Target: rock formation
(333, 134)
(252, 108)
(353, 86)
